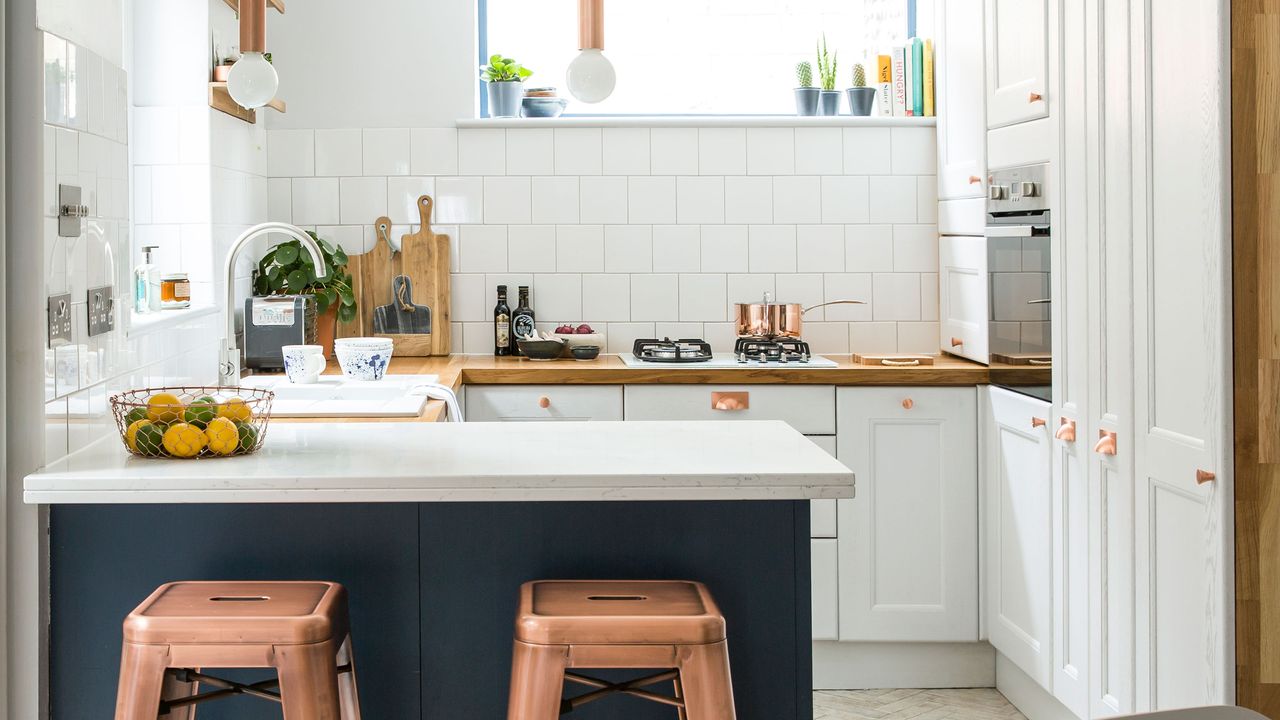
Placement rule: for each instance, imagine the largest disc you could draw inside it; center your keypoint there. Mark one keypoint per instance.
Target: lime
(201, 411)
(145, 438)
(248, 436)
(134, 415)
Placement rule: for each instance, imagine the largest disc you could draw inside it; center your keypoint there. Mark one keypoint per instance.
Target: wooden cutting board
(894, 360)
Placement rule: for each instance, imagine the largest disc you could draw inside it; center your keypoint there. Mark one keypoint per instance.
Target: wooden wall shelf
(220, 99)
(277, 4)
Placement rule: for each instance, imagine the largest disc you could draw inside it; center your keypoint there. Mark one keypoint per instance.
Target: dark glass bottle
(522, 326)
(502, 324)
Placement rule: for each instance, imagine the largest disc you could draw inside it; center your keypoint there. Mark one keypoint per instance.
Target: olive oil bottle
(502, 324)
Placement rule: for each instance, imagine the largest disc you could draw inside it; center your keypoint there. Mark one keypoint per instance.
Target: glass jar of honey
(175, 291)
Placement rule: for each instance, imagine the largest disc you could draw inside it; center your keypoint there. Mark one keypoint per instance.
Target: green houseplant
(861, 97)
(505, 78)
(829, 100)
(806, 93)
(287, 269)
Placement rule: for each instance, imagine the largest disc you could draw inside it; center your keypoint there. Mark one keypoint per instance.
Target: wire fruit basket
(192, 421)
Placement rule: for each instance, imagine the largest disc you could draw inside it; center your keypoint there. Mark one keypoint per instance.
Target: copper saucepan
(769, 319)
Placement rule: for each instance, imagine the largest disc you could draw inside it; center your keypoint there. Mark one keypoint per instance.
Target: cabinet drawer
(822, 513)
(825, 566)
(810, 409)
(533, 403)
(963, 296)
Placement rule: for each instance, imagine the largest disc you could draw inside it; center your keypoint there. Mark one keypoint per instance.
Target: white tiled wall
(86, 144)
(646, 231)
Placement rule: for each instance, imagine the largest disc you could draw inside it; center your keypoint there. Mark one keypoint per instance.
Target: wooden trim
(277, 4)
(1255, 187)
(220, 99)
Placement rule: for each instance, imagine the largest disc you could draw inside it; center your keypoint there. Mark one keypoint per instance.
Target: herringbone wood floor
(906, 704)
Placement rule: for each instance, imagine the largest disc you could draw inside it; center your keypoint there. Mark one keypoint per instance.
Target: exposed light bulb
(252, 81)
(591, 77)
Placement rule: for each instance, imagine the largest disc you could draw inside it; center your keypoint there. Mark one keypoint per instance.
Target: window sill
(685, 121)
(145, 323)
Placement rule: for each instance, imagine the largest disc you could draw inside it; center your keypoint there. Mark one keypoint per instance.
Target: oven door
(1018, 289)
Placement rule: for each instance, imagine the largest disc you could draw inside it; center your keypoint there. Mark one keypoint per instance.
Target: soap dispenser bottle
(146, 284)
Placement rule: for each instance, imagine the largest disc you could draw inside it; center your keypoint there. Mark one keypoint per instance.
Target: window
(696, 57)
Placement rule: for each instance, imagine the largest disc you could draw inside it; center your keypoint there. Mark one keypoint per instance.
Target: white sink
(336, 396)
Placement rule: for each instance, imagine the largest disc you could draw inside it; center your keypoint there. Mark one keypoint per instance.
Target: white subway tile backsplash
(627, 249)
(797, 199)
(578, 151)
(803, 288)
(874, 337)
(279, 199)
(868, 248)
(482, 152)
(55, 73)
(477, 338)
(725, 248)
(703, 298)
(484, 248)
(929, 296)
(918, 337)
(748, 288)
(819, 151)
(622, 336)
(339, 153)
(626, 151)
(433, 151)
(532, 248)
(459, 200)
(655, 297)
(915, 248)
(677, 330)
(748, 199)
(558, 297)
(845, 199)
(469, 298)
(363, 200)
(819, 248)
(141, 194)
(772, 248)
(927, 199)
(674, 151)
(771, 151)
(507, 200)
(897, 296)
(848, 286)
(530, 152)
(651, 200)
(915, 151)
(893, 199)
(290, 153)
(867, 151)
(677, 248)
(555, 200)
(580, 248)
(699, 200)
(607, 297)
(722, 151)
(349, 237)
(386, 151)
(827, 337)
(604, 200)
(402, 198)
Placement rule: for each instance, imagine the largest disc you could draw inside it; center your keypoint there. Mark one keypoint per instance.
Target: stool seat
(612, 612)
(291, 613)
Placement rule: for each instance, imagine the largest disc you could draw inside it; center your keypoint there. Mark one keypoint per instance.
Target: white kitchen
(837, 359)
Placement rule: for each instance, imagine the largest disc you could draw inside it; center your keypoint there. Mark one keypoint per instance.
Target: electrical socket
(59, 319)
(102, 310)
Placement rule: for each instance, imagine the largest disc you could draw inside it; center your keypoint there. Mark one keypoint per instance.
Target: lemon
(248, 436)
(223, 436)
(135, 415)
(235, 410)
(145, 438)
(183, 440)
(201, 411)
(164, 408)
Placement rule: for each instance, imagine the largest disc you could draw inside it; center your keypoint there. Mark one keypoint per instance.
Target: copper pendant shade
(590, 24)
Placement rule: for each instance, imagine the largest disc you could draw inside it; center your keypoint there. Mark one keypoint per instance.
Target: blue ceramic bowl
(363, 358)
(543, 107)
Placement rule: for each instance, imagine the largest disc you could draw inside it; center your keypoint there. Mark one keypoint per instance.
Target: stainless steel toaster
(273, 321)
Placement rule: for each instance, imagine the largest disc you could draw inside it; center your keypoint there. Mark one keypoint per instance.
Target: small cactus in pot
(861, 97)
(806, 93)
(829, 98)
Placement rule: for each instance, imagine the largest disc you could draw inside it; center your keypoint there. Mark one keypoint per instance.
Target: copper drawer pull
(956, 342)
(974, 179)
(1038, 422)
(1204, 476)
(908, 404)
(544, 402)
(730, 401)
(1106, 443)
(1035, 97)
(1066, 430)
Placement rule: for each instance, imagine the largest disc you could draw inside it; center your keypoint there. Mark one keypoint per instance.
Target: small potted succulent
(861, 97)
(288, 270)
(829, 98)
(505, 78)
(806, 93)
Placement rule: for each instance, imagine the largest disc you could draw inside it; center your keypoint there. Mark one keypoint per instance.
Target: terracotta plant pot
(221, 73)
(327, 329)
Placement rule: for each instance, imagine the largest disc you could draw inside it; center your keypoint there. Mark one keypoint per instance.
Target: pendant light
(252, 81)
(591, 76)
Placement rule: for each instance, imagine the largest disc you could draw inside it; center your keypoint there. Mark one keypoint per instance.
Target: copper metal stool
(299, 628)
(563, 624)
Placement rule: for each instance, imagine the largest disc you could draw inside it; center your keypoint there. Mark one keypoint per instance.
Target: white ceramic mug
(304, 363)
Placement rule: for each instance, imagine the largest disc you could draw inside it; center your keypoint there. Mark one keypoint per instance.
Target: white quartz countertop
(455, 462)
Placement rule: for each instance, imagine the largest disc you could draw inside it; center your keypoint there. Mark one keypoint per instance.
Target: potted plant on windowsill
(287, 270)
(806, 93)
(505, 78)
(829, 99)
(861, 97)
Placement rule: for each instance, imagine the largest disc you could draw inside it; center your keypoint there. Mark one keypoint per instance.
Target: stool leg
(172, 690)
(141, 679)
(681, 713)
(537, 681)
(308, 681)
(705, 681)
(347, 695)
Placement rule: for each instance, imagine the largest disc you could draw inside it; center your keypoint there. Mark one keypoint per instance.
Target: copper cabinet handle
(730, 401)
(908, 403)
(956, 342)
(1035, 97)
(1066, 430)
(1106, 444)
(1038, 422)
(1204, 476)
(544, 402)
(974, 179)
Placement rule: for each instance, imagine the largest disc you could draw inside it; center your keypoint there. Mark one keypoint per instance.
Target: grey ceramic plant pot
(861, 100)
(505, 98)
(806, 101)
(829, 102)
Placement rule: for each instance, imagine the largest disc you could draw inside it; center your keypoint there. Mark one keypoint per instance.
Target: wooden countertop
(458, 370)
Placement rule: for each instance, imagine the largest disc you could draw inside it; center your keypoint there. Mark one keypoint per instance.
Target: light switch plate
(71, 212)
(102, 311)
(59, 319)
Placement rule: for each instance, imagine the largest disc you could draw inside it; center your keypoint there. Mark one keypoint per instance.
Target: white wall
(92, 24)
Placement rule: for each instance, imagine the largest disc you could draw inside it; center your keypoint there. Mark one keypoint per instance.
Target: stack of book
(905, 80)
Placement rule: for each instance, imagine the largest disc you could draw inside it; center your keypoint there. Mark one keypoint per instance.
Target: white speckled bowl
(363, 358)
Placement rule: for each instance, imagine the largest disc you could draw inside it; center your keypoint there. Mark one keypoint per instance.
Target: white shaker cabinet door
(822, 513)
(825, 587)
(909, 540)
(1017, 61)
(1019, 537)
(962, 118)
(963, 299)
